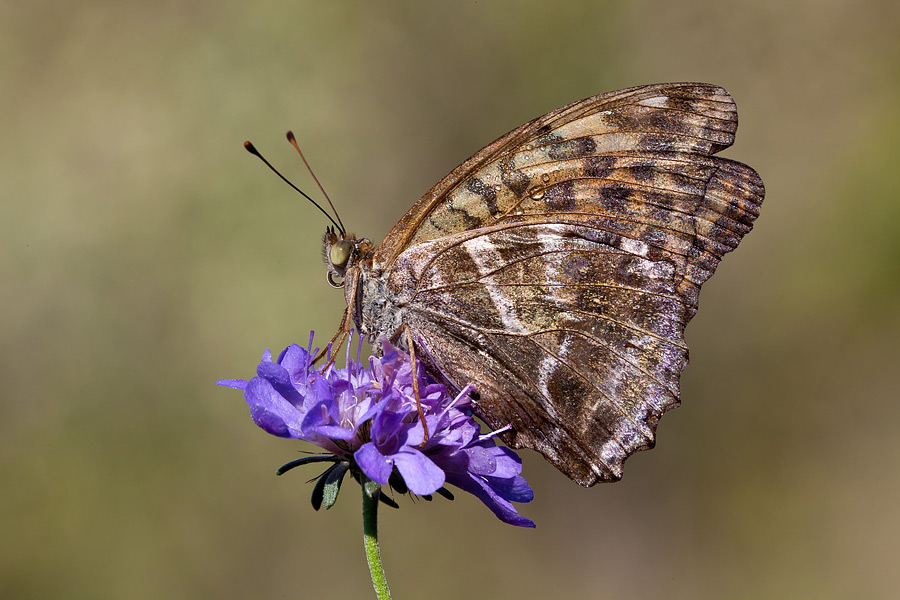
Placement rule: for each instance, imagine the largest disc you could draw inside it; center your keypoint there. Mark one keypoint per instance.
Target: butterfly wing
(696, 118)
(557, 268)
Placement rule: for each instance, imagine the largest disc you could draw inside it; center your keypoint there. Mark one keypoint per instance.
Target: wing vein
(600, 342)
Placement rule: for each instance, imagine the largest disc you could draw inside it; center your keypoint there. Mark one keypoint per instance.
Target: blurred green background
(145, 255)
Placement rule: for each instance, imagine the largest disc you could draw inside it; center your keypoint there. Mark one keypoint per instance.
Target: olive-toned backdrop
(144, 254)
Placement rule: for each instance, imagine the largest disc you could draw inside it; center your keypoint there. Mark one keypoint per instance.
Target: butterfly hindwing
(572, 339)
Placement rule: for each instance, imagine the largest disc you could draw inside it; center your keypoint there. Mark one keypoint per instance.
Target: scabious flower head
(367, 418)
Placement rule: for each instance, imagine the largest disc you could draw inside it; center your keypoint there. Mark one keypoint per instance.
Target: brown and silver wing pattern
(557, 268)
(696, 118)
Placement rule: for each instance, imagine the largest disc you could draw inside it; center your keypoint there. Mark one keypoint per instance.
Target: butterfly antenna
(252, 150)
(293, 141)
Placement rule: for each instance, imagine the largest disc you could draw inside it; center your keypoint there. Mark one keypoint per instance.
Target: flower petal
(295, 360)
(421, 475)
(386, 431)
(238, 384)
(514, 489)
(323, 419)
(271, 411)
(280, 379)
(496, 461)
(505, 511)
(373, 463)
(481, 460)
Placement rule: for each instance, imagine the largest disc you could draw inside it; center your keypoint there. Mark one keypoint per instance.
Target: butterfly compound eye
(340, 253)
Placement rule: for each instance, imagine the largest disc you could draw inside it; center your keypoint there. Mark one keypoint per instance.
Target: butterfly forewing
(687, 117)
(556, 269)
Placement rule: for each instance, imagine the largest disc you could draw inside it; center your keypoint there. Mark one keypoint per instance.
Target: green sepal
(332, 486)
(388, 500)
(445, 493)
(319, 490)
(371, 488)
(396, 482)
(305, 461)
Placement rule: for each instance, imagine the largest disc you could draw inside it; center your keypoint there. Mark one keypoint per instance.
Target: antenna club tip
(290, 136)
(250, 148)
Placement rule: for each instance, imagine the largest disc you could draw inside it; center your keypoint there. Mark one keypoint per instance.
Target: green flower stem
(371, 490)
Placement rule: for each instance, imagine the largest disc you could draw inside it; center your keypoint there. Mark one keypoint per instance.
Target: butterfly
(556, 269)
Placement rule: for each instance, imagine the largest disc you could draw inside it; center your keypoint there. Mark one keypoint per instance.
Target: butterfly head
(342, 251)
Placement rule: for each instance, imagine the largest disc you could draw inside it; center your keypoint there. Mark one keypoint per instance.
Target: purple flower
(368, 420)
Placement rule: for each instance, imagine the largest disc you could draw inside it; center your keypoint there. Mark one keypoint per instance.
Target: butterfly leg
(340, 336)
(405, 330)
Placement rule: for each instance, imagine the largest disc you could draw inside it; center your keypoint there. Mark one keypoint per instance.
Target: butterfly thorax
(350, 260)
(376, 313)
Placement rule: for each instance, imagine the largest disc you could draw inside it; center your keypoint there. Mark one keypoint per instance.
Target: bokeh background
(144, 255)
